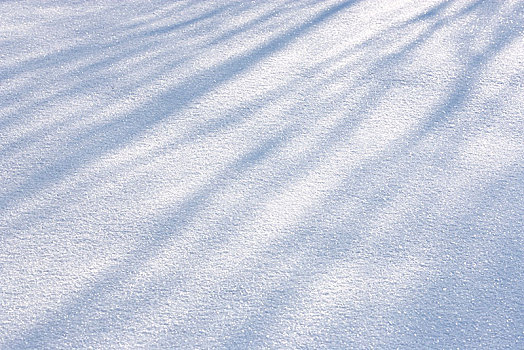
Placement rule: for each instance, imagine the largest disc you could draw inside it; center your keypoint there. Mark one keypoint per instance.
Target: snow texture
(262, 174)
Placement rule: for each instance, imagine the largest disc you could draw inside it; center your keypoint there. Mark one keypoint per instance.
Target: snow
(263, 174)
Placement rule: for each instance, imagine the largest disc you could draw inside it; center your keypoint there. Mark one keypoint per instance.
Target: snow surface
(262, 174)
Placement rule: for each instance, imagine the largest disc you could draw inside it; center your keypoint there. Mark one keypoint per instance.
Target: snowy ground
(262, 174)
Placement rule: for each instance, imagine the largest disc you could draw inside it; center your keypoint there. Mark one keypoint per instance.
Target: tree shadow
(371, 190)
